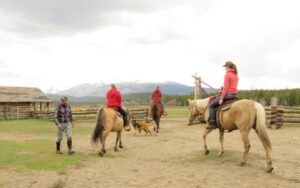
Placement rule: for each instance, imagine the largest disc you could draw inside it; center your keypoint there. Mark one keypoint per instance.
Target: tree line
(285, 97)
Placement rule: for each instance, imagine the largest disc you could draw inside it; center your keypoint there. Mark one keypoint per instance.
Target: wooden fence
(140, 115)
(278, 116)
(77, 115)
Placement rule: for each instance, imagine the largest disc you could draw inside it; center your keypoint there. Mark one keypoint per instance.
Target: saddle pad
(119, 114)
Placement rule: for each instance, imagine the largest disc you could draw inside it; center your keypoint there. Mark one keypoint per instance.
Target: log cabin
(23, 102)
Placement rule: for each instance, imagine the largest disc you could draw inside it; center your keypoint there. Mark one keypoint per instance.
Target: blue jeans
(215, 104)
(67, 128)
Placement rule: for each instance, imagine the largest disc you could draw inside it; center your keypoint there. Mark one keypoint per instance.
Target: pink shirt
(230, 83)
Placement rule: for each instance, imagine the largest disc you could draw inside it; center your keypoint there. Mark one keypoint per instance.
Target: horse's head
(194, 112)
(197, 107)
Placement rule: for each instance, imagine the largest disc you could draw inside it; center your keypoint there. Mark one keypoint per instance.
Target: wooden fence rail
(278, 116)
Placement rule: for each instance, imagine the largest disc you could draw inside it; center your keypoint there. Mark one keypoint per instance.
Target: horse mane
(200, 103)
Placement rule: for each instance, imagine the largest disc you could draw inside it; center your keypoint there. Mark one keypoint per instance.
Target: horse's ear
(189, 100)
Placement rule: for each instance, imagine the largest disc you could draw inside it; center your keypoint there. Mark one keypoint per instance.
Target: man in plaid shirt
(64, 123)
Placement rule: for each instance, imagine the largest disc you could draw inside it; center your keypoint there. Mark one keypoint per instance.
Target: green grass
(34, 155)
(38, 127)
(36, 148)
(178, 112)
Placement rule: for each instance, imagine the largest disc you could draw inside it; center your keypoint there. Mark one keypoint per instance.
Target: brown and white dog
(141, 126)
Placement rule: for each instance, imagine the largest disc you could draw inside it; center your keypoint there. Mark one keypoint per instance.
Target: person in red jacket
(157, 98)
(229, 91)
(114, 100)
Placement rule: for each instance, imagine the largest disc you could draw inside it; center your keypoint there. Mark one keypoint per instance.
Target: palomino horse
(108, 121)
(243, 115)
(156, 112)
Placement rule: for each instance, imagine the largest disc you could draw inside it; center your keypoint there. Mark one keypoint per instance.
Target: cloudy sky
(62, 43)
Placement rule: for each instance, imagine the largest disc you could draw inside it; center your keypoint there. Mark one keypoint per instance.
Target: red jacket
(156, 96)
(114, 98)
(230, 83)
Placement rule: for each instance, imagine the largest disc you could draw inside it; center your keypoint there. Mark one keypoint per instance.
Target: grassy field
(27, 145)
(178, 112)
(30, 145)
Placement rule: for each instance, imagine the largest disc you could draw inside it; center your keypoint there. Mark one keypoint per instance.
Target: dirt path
(174, 158)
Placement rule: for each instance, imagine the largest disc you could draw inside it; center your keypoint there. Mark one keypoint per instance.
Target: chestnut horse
(156, 112)
(107, 121)
(243, 115)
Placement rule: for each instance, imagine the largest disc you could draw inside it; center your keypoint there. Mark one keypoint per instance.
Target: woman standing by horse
(108, 120)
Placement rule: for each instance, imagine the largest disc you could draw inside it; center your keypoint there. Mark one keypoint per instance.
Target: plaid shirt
(63, 114)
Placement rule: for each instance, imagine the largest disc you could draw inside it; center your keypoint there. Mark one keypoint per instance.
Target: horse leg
(221, 131)
(117, 140)
(120, 142)
(246, 142)
(205, 133)
(268, 154)
(104, 136)
(156, 126)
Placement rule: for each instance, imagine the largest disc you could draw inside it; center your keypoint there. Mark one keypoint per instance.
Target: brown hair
(231, 65)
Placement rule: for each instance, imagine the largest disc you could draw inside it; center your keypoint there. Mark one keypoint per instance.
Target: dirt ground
(174, 158)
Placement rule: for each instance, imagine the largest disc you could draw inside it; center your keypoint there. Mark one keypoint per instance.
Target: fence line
(278, 116)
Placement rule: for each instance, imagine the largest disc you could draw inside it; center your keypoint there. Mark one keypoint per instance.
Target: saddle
(224, 107)
(227, 104)
(116, 110)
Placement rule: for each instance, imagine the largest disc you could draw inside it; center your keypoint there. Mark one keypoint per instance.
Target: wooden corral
(23, 103)
(278, 116)
(140, 115)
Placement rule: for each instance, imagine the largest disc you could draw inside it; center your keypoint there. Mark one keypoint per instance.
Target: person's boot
(126, 124)
(212, 125)
(58, 148)
(70, 151)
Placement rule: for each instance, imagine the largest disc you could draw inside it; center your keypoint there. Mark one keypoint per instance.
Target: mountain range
(99, 90)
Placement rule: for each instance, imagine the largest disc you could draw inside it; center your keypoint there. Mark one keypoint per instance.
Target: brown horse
(243, 115)
(108, 121)
(156, 112)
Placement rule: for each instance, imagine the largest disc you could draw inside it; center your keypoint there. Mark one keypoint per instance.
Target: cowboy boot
(212, 125)
(58, 148)
(70, 151)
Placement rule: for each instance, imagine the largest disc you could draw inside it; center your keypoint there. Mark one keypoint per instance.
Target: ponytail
(234, 68)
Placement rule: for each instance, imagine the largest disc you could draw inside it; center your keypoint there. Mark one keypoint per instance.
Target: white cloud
(153, 42)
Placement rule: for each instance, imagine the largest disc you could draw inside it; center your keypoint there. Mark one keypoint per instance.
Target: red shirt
(156, 97)
(114, 98)
(230, 83)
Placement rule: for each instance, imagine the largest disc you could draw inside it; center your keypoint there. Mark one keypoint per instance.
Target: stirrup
(211, 126)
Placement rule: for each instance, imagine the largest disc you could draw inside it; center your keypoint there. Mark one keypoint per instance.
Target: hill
(99, 90)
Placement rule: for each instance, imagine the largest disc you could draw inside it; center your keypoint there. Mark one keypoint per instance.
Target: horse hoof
(220, 154)
(121, 147)
(101, 154)
(242, 164)
(270, 169)
(116, 150)
(206, 152)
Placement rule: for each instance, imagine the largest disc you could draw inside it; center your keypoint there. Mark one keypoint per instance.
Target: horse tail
(99, 128)
(154, 111)
(261, 127)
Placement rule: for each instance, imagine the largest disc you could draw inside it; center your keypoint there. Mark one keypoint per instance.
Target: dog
(141, 127)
